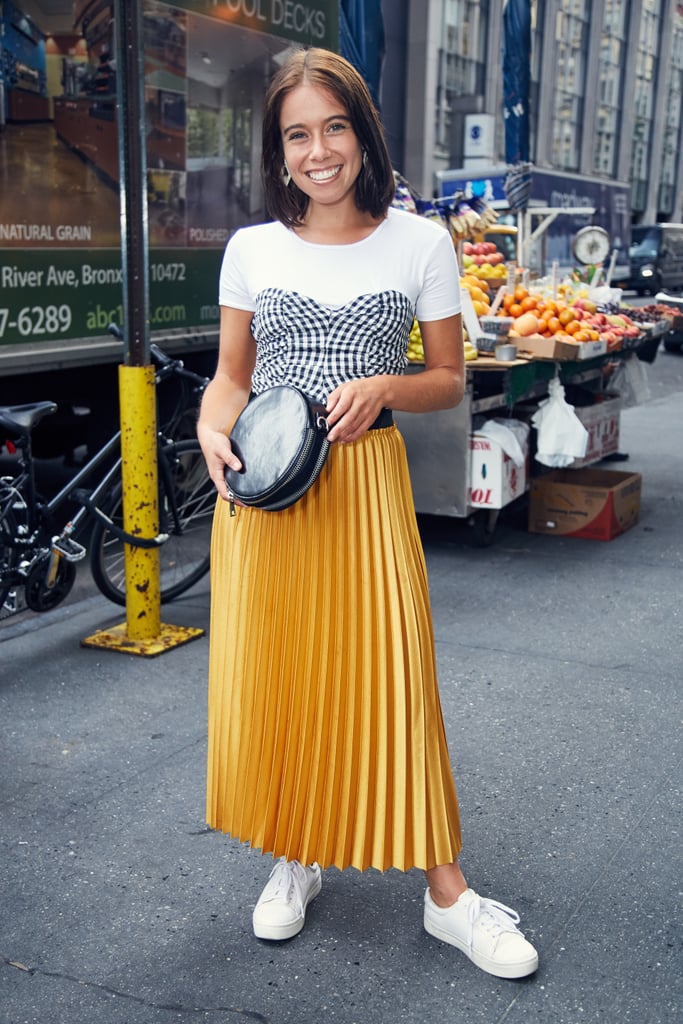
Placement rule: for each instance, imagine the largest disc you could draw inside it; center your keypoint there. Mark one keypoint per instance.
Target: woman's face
(320, 146)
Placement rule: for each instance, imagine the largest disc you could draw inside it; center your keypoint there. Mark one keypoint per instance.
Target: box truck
(205, 71)
(559, 205)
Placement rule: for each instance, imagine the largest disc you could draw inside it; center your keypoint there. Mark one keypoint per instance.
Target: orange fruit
(520, 293)
(528, 303)
(554, 324)
(515, 309)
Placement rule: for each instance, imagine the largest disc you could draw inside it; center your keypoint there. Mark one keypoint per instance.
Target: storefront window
(571, 40)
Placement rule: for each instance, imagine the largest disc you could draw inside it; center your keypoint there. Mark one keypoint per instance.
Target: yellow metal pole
(139, 473)
(143, 632)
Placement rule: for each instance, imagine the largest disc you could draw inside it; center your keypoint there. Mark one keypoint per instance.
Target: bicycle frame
(41, 513)
(39, 538)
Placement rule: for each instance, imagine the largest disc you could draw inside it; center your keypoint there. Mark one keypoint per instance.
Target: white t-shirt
(324, 314)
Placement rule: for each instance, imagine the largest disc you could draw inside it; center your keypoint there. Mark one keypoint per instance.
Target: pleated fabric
(326, 737)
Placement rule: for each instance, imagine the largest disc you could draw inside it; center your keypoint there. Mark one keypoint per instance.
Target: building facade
(606, 96)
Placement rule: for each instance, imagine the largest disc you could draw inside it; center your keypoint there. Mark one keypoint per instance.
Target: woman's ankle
(446, 884)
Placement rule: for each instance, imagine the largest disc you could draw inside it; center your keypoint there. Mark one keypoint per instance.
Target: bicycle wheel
(186, 502)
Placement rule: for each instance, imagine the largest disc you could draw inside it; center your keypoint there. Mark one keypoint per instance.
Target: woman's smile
(325, 175)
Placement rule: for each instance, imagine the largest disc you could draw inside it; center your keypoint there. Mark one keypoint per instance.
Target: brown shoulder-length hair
(314, 66)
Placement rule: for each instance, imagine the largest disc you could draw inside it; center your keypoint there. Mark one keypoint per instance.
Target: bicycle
(38, 556)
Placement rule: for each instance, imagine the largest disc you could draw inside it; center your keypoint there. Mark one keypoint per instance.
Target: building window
(610, 81)
(647, 66)
(571, 42)
(461, 65)
(672, 125)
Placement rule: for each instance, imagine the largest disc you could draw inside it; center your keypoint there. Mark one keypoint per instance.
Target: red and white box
(495, 478)
(601, 420)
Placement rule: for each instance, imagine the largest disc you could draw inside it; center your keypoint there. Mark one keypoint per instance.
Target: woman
(326, 740)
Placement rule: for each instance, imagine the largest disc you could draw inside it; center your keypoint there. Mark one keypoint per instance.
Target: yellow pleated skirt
(326, 737)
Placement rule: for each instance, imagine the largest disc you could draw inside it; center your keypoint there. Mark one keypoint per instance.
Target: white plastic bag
(511, 435)
(630, 382)
(562, 437)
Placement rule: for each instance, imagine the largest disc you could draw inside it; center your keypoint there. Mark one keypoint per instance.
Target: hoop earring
(286, 176)
(365, 158)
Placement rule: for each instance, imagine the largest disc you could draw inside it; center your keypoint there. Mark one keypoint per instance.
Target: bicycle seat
(23, 418)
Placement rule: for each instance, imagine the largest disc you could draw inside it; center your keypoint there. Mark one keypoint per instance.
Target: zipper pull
(231, 499)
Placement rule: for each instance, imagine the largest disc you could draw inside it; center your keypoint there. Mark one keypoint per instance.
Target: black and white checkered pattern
(315, 348)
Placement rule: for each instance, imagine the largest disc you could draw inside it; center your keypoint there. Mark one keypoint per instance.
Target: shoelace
(283, 878)
(495, 917)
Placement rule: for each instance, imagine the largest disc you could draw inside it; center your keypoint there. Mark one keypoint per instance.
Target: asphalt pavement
(560, 668)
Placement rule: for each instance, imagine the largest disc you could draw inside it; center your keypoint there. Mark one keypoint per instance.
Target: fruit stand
(458, 472)
(519, 337)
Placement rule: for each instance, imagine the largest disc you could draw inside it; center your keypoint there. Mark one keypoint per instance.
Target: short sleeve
(233, 289)
(439, 296)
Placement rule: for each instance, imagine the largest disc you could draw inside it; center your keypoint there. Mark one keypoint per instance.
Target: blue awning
(516, 79)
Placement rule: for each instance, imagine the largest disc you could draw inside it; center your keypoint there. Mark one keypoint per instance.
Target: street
(559, 667)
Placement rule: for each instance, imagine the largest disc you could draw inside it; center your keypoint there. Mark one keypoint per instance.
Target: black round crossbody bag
(280, 437)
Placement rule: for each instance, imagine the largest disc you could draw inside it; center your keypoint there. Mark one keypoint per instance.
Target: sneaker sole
(521, 969)
(278, 933)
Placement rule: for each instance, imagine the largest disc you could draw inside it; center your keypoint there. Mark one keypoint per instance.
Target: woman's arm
(354, 405)
(227, 394)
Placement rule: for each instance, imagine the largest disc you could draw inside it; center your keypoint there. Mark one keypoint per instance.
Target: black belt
(385, 419)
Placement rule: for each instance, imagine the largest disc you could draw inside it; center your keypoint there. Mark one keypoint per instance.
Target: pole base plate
(117, 639)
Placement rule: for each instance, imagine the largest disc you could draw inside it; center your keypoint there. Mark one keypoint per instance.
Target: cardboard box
(597, 504)
(495, 480)
(601, 420)
(538, 347)
(590, 349)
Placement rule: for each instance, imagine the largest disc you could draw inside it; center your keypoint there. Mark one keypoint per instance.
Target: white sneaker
(486, 931)
(281, 909)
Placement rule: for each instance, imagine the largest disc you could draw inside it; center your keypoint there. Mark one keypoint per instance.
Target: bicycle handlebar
(167, 366)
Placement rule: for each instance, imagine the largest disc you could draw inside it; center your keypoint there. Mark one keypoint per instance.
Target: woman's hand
(218, 455)
(353, 407)
(226, 395)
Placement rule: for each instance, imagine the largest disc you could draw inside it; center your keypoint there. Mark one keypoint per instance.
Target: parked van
(656, 259)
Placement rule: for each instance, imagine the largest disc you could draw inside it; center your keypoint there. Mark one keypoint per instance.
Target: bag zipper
(292, 498)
